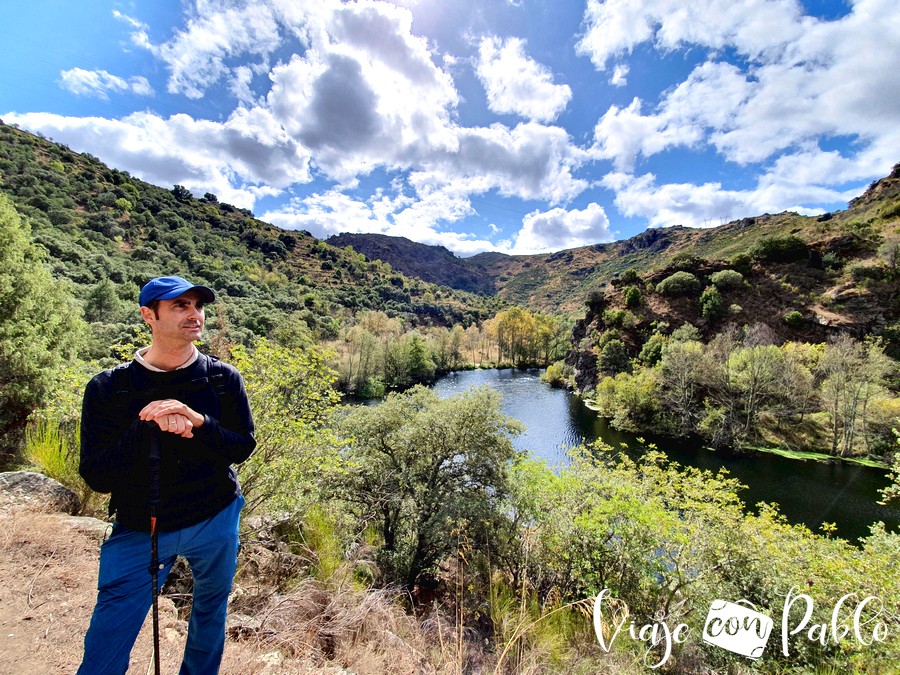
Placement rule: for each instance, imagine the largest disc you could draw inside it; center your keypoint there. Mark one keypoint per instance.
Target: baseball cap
(167, 288)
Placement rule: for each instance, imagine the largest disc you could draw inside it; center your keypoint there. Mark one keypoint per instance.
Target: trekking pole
(154, 538)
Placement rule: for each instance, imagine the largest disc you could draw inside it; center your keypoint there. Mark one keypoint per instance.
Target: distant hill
(836, 282)
(434, 264)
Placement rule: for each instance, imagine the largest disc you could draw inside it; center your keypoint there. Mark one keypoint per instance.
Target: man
(197, 409)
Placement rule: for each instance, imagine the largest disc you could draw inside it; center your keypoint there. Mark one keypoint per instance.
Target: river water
(806, 491)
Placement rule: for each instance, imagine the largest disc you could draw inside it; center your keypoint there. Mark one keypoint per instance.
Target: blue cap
(168, 288)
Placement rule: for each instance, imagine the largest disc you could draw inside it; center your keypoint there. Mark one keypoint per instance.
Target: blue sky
(481, 125)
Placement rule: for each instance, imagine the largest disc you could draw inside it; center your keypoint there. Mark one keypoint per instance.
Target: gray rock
(36, 492)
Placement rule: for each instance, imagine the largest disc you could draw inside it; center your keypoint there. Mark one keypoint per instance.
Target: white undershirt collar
(139, 357)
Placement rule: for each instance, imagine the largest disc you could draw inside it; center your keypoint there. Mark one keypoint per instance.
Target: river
(806, 491)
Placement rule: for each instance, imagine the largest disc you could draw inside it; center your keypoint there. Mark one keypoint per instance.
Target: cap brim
(207, 295)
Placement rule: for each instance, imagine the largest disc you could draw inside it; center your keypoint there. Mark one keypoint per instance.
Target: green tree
(711, 304)
(292, 396)
(852, 374)
(40, 327)
(420, 466)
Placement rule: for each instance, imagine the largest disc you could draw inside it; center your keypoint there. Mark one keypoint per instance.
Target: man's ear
(147, 315)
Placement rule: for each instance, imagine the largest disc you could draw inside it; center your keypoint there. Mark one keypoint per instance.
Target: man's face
(180, 319)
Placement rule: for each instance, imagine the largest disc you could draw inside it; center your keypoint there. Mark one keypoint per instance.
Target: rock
(36, 492)
(92, 527)
(242, 625)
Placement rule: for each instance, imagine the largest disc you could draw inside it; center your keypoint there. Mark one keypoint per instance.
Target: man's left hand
(173, 416)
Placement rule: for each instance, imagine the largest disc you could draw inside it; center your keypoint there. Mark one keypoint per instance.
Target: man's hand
(172, 416)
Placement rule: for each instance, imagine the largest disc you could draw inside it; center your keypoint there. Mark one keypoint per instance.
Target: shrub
(632, 296)
(742, 262)
(794, 319)
(614, 357)
(629, 276)
(726, 280)
(680, 283)
(711, 304)
(866, 272)
(557, 374)
(651, 352)
(779, 249)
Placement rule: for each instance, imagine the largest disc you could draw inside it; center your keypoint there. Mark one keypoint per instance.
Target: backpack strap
(216, 374)
(121, 388)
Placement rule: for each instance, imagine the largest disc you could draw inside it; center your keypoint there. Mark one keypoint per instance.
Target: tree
(292, 396)
(852, 374)
(681, 366)
(420, 466)
(40, 327)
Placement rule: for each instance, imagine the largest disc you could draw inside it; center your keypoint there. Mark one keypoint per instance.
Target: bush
(680, 283)
(711, 304)
(632, 296)
(794, 319)
(629, 276)
(867, 272)
(557, 374)
(780, 249)
(742, 262)
(726, 280)
(614, 357)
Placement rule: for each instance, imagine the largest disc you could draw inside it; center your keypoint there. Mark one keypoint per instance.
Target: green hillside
(107, 232)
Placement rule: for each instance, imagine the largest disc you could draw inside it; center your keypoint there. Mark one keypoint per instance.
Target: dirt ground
(48, 578)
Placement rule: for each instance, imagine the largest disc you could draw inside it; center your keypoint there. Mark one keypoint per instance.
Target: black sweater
(196, 477)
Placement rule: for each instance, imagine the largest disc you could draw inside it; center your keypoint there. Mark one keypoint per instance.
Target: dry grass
(48, 573)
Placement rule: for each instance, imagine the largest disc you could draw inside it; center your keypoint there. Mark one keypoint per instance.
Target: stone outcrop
(28, 490)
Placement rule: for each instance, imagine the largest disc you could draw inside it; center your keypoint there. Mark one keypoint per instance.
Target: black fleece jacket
(196, 477)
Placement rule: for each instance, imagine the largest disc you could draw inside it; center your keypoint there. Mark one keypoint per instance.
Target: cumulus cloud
(333, 211)
(559, 229)
(517, 84)
(197, 56)
(797, 79)
(710, 204)
(240, 160)
(100, 83)
(620, 75)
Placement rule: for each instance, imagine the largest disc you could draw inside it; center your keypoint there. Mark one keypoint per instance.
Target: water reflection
(807, 491)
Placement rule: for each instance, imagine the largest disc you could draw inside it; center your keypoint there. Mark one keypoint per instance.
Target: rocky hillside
(562, 281)
(434, 264)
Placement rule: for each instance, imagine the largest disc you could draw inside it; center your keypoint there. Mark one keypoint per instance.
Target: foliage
(668, 540)
(40, 327)
(853, 374)
(419, 466)
(614, 357)
(787, 248)
(794, 318)
(679, 283)
(712, 306)
(292, 397)
(558, 374)
(726, 280)
(632, 297)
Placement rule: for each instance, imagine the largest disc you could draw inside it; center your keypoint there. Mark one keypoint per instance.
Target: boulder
(28, 490)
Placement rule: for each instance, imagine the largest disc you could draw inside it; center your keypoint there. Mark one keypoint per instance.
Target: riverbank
(789, 454)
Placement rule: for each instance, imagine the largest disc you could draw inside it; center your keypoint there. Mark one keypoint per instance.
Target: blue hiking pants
(124, 592)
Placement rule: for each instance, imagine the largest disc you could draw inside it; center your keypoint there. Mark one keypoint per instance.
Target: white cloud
(559, 229)
(99, 83)
(794, 183)
(796, 79)
(756, 27)
(333, 211)
(516, 84)
(620, 75)
(197, 55)
(236, 159)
